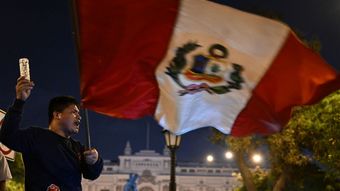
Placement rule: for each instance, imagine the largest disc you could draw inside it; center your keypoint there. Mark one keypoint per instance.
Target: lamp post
(172, 142)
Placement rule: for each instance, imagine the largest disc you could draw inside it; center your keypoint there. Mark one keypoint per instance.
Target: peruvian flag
(195, 63)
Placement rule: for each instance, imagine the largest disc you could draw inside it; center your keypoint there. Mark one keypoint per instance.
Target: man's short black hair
(58, 104)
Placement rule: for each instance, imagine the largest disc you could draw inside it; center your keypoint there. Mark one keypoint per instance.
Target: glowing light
(210, 158)
(257, 158)
(229, 155)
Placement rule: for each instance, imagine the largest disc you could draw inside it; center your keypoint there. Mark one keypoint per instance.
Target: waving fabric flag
(215, 66)
(122, 42)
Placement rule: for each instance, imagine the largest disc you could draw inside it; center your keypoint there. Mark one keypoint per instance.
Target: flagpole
(87, 128)
(147, 134)
(76, 36)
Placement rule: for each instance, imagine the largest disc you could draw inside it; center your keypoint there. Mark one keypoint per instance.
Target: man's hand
(91, 156)
(23, 88)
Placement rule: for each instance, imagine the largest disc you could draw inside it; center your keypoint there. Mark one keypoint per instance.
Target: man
(5, 172)
(52, 159)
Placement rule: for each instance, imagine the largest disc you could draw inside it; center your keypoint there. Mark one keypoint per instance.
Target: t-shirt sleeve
(91, 172)
(11, 135)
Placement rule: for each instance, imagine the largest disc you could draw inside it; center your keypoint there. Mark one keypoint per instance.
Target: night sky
(42, 31)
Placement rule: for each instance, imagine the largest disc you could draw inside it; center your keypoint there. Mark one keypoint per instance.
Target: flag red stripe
(297, 76)
(122, 42)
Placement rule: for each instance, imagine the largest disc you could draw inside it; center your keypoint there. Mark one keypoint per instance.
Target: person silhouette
(131, 183)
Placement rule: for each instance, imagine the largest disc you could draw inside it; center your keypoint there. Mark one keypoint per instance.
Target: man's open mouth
(77, 123)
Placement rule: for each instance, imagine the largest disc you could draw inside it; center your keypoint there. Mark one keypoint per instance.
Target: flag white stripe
(252, 41)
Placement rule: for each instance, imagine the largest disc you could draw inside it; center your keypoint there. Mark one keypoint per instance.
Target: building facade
(154, 174)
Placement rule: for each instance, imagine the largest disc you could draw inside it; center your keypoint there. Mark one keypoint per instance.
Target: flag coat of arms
(195, 63)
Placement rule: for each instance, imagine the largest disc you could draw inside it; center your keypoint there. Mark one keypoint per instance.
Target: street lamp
(172, 142)
(210, 158)
(229, 155)
(257, 158)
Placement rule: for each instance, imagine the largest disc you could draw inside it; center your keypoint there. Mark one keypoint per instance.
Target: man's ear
(57, 115)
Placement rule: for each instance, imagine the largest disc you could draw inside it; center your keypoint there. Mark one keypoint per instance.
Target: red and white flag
(8, 153)
(195, 63)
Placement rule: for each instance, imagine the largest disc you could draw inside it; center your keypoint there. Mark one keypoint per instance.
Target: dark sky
(41, 30)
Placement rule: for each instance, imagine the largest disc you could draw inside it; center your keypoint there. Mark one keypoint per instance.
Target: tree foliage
(18, 174)
(305, 155)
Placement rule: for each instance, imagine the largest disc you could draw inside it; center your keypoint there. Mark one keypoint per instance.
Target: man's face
(70, 120)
